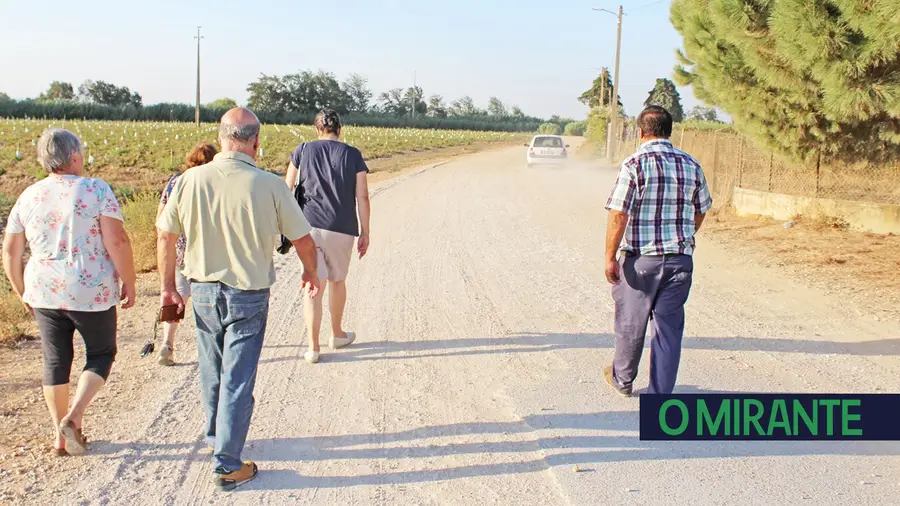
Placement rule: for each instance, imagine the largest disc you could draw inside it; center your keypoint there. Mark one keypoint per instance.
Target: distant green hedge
(575, 128)
(550, 129)
(185, 113)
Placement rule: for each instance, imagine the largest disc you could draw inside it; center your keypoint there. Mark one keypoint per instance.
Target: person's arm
(291, 177)
(698, 221)
(14, 263)
(702, 200)
(293, 226)
(364, 208)
(118, 245)
(619, 205)
(615, 231)
(169, 228)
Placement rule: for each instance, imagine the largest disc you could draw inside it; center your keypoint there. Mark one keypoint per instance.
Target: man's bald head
(239, 131)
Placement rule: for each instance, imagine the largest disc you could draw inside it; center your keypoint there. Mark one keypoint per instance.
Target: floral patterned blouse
(69, 267)
(181, 244)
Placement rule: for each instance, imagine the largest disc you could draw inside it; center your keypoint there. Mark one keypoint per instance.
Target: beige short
(334, 251)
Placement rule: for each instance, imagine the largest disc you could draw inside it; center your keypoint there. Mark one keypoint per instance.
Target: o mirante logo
(776, 417)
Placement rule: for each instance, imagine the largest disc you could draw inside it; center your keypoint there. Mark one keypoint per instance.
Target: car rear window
(548, 142)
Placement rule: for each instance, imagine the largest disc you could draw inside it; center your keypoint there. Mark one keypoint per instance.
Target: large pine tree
(600, 93)
(665, 95)
(800, 75)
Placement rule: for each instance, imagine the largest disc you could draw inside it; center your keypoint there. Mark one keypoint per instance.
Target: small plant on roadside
(139, 211)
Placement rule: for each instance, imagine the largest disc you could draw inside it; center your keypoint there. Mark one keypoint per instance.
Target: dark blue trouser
(230, 325)
(653, 289)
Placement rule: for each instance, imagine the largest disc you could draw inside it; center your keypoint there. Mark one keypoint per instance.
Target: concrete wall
(865, 216)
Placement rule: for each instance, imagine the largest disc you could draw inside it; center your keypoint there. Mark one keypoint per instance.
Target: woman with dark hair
(332, 179)
(202, 154)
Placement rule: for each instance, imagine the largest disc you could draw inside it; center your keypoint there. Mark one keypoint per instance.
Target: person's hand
(310, 281)
(613, 272)
(362, 245)
(27, 307)
(129, 294)
(169, 298)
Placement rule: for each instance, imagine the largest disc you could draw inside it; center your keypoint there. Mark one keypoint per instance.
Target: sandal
(76, 442)
(60, 452)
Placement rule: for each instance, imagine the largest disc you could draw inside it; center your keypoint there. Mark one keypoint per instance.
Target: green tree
(222, 104)
(436, 107)
(665, 95)
(496, 108)
(700, 113)
(267, 94)
(357, 88)
(415, 97)
(101, 92)
(599, 94)
(464, 107)
(58, 91)
(393, 103)
(804, 77)
(516, 112)
(304, 92)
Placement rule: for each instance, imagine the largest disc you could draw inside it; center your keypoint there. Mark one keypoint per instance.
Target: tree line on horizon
(292, 98)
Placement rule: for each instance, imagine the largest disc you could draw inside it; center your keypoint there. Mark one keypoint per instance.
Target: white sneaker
(337, 343)
(312, 357)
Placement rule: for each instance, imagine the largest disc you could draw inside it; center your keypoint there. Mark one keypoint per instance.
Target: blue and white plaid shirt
(660, 188)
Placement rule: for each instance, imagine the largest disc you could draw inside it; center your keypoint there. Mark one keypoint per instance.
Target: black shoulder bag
(286, 245)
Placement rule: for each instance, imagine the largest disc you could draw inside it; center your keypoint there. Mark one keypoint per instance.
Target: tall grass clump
(139, 211)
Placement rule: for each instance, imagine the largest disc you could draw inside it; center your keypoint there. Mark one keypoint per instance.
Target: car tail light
(564, 153)
(531, 151)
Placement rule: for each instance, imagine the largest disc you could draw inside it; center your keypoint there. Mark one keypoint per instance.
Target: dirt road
(484, 321)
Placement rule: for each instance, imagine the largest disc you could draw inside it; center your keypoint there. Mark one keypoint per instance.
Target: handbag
(166, 314)
(286, 245)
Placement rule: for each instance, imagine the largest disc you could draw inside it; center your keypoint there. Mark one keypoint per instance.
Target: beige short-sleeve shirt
(231, 213)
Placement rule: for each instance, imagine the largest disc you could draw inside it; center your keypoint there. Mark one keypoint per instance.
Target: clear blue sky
(539, 55)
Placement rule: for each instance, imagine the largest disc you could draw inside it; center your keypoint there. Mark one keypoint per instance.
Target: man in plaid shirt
(657, 205)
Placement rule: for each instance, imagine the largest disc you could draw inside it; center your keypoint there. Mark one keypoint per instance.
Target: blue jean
(653, 291)
(231, 324)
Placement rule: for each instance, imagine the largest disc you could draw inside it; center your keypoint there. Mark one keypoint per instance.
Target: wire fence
(730, 160)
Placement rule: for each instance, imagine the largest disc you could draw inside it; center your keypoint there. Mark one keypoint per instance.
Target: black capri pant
(58, 326)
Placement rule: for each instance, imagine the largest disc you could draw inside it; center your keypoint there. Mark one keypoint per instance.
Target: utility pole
(614, 101)
(613, 98)
(197, 109)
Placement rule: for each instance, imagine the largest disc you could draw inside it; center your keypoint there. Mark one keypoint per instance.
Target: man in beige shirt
(231, 214)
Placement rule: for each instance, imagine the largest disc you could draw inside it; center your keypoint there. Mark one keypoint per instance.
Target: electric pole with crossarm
(197, 110)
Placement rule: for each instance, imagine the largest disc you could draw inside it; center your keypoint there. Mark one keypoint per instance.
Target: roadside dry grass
(822, 253)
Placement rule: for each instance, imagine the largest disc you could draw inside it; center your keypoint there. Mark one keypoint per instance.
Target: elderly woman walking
(202, 154)
(80, 255)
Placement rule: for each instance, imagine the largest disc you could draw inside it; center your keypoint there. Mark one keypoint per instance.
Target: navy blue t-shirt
(328, 172)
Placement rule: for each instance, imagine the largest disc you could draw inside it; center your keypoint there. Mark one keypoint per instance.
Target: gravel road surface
(483, 321)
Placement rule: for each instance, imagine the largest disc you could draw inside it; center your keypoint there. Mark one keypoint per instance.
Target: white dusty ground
(484, 321)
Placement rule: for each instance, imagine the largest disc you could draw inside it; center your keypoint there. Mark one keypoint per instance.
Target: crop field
(135, 155)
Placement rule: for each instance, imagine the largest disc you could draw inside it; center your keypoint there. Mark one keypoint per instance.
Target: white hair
(56, 148)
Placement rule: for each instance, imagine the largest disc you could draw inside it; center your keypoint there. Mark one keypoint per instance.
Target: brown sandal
(60, 452)
(76, 443)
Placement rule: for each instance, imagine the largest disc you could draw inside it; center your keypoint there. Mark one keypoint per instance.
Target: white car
(549, 149)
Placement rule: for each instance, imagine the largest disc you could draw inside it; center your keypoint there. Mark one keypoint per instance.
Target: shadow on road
(532, 343)
(544, 440)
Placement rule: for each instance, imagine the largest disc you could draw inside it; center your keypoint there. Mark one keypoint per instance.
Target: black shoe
(231, 481)
(608, 375)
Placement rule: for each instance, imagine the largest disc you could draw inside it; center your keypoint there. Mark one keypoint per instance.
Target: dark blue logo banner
(773, 417)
